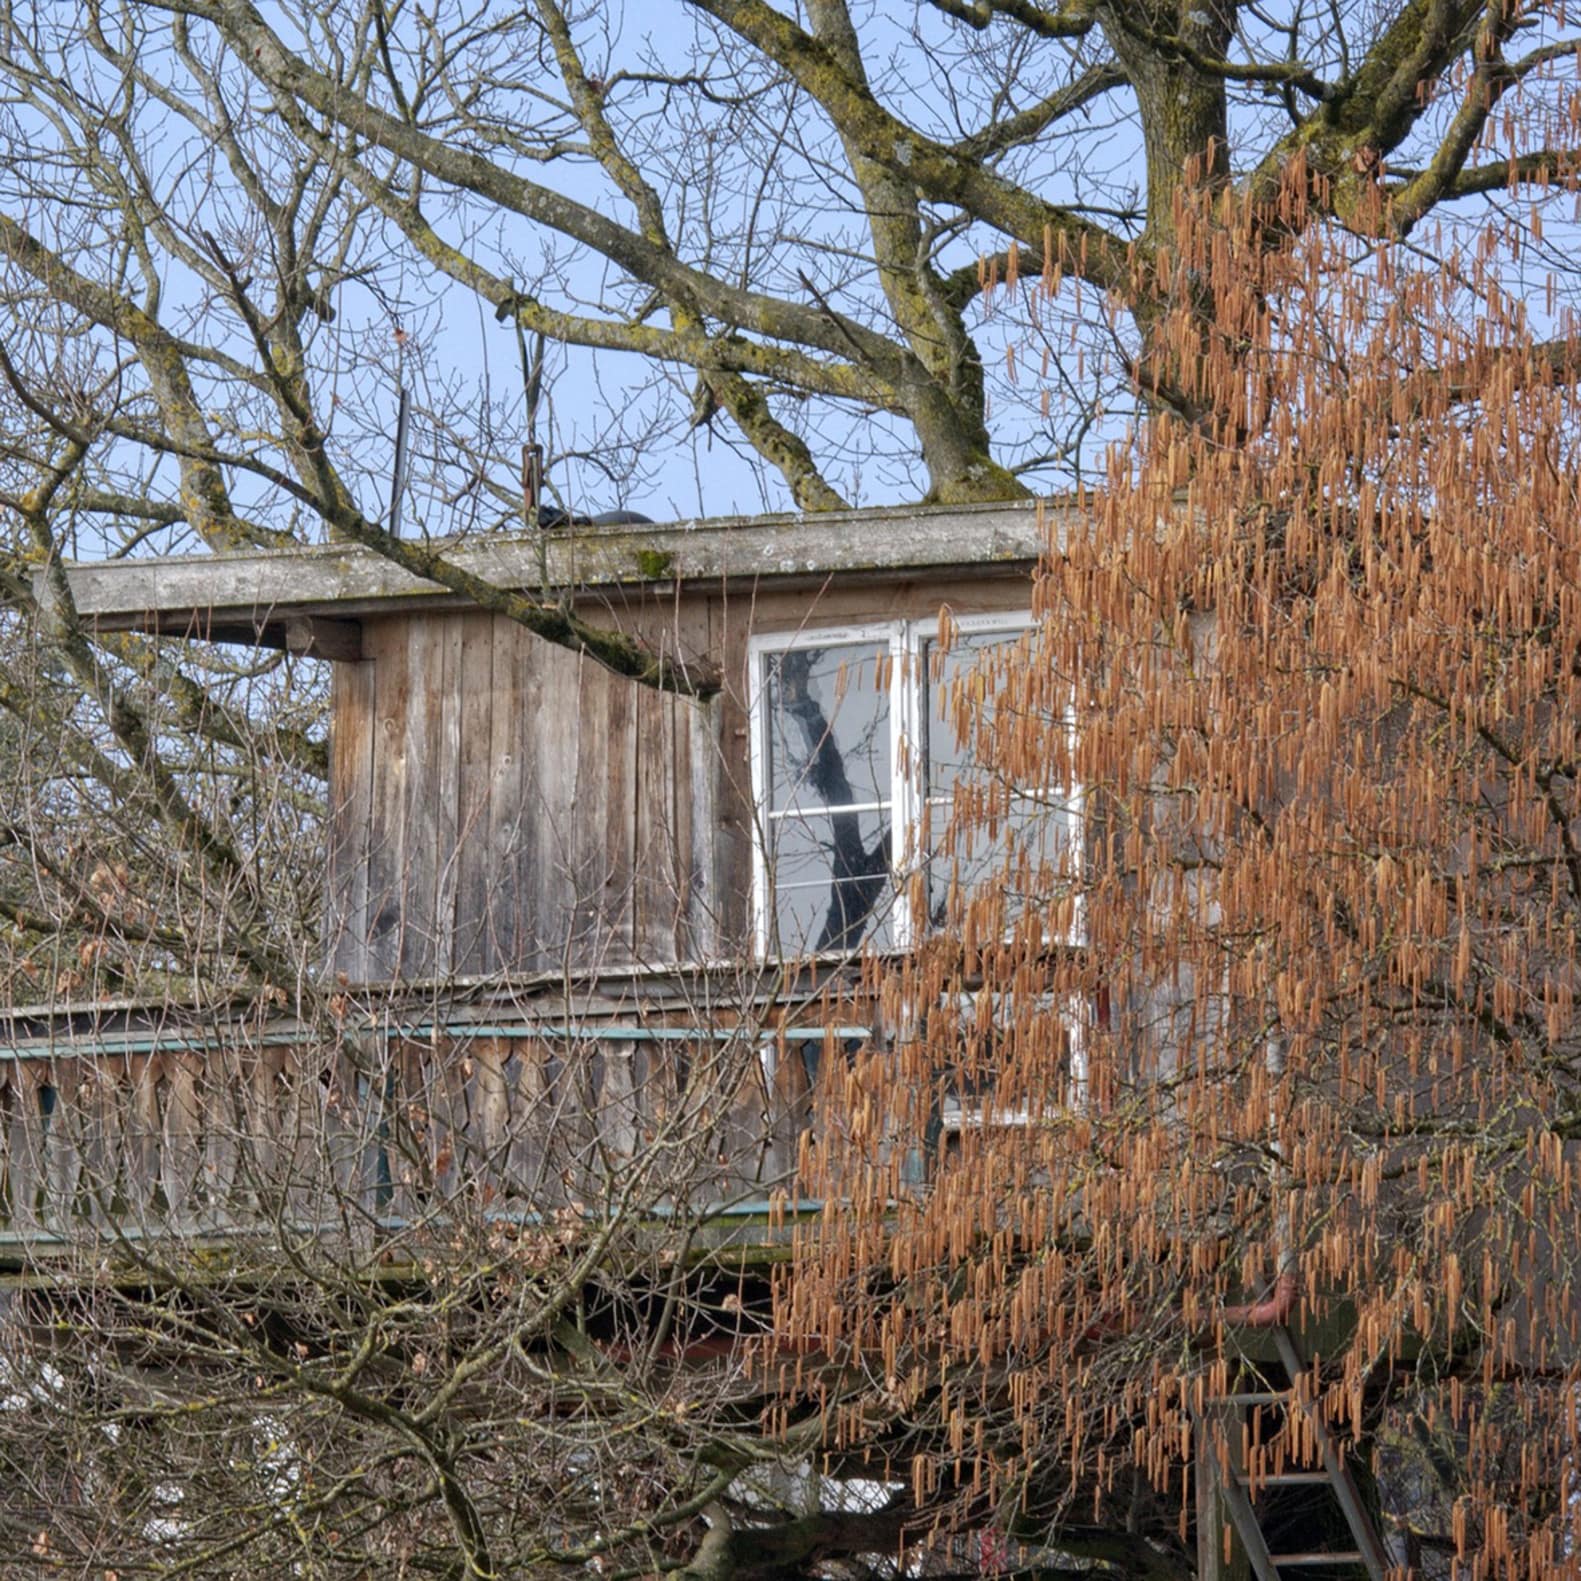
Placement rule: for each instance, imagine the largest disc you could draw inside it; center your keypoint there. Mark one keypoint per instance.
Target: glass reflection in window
(980, 821)
(830, 784)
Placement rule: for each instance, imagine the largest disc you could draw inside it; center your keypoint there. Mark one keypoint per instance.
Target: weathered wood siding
(503, 805)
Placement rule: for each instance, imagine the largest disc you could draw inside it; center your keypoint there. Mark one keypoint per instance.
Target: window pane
(981, 828)
(960, 685)
(831, 880)
(828, 726)
(1027, 842)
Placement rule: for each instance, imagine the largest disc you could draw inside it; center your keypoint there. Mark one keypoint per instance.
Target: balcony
(664, 1097)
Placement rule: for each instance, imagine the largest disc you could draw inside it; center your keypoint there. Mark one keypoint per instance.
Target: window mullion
(758, 751)
(903, 757)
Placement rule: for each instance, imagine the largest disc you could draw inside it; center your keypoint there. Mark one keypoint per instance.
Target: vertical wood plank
(617, 856)
(361, 1160)
(550, 731)
(653, 901)
(225, 1079)
(1216, 1456)
(7, 1105)
(528, 1157)
(63, 1142)
(103, 1102)
(573, 1136)
(179, 1153)
(420, 811)
(262, 1130)
(507, 852)
(35, 1146)
(732, 825)
(618, 1133)
(704, 847)
(584, 816)
(745, 1132)
(406, 1126)
(20, 1149)
(691, 801)
(653, 1091)
(490, 1138)
(445, 807)
(790, 1100)
(296, 1150)
(474, 802)
(350, 811)
(385, 641)
(142, 1142)
(446, 1084)
(555, 726)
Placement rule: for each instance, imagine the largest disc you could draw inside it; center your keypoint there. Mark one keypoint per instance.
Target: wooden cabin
(501, 805)
(554, 896)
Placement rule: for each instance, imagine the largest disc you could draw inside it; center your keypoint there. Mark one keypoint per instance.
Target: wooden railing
(147, 1135)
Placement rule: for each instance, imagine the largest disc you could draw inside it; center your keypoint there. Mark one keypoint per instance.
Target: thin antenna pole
(532, 483)
(398, 478)
(532, 451)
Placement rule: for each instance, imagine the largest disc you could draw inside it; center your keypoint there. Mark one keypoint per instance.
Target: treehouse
(565, 911)
(589, 937)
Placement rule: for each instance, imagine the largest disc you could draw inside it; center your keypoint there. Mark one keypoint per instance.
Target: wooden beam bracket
(313, 638)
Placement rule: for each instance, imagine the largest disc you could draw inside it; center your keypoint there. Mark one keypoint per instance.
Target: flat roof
(251, 595)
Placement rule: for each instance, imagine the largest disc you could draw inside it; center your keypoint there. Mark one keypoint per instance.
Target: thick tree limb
(1376, 105)
(1069, 21)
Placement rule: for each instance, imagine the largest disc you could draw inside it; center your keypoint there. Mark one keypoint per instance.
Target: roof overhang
(311, 599)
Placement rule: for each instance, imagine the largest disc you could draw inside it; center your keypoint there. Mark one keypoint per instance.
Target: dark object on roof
(553, 516)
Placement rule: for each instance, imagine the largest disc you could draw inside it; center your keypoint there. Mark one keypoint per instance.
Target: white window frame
(883, 633)
(906, 641)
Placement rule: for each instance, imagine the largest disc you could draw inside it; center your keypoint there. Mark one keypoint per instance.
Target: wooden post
(1216, 1447)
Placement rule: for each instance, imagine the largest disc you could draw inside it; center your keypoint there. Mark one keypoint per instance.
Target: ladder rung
(1282, 1479)
(1337, 1558)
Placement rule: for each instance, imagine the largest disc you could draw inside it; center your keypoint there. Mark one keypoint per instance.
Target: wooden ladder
(1236, 1486)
